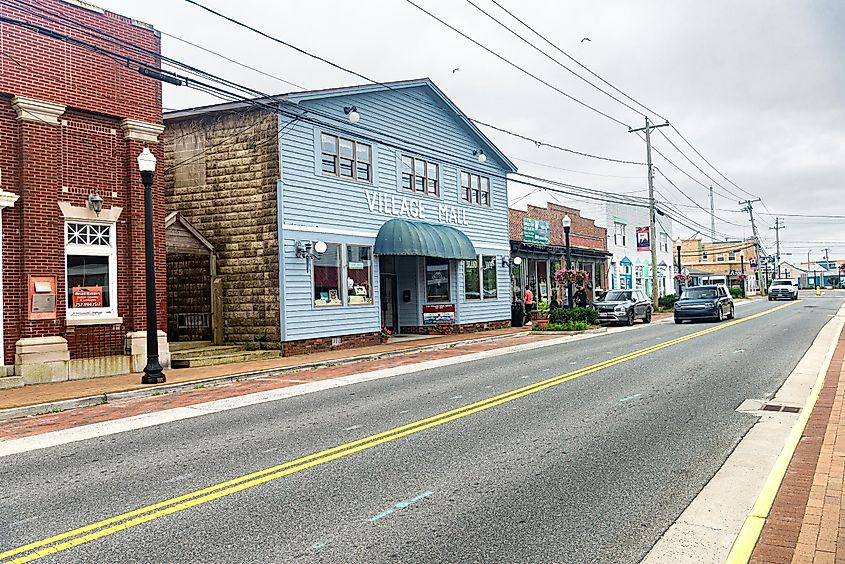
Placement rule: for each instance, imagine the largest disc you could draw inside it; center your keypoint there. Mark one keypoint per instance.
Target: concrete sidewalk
(807, 520)
(75, 389)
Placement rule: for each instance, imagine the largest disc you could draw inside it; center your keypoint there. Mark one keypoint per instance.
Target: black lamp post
(678, 247)
(567, 224)
(152, 371)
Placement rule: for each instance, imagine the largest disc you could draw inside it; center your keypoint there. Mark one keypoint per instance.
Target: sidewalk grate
(780, 408)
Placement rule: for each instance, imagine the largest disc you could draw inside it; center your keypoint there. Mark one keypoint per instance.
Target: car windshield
(782, 283)
(698, 293)
(616, 296)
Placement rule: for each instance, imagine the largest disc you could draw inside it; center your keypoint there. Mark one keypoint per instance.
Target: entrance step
(227, 357)
(207, 350)
(184, 345)
(8, 382)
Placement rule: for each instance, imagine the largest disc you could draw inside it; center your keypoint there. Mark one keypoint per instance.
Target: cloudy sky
(758, 87)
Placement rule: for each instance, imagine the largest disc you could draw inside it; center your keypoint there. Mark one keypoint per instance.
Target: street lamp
(567, 224)
(152, 371)
(678, 247)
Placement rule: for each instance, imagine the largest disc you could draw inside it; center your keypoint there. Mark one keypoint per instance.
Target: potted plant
(442, 329)
(542, 313)
(385, 334)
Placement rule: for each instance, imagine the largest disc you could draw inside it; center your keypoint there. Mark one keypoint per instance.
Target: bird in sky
(585, 39)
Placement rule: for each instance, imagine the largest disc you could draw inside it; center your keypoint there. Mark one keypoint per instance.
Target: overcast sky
(758, 87)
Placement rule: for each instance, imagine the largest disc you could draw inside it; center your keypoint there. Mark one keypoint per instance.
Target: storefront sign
(390, 204)
(87, 296)
(439, 314)
(535, 230)
(643, 243)
(42, 297)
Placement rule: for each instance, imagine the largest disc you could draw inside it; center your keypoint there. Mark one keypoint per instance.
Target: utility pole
(777, 227)
(655, 295)
(712, 217)
(750, 209)
(826, 262)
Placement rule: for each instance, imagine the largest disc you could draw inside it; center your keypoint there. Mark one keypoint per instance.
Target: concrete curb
(588, 331)
(64, 405)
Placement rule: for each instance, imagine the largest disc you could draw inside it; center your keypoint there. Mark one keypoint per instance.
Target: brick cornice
(136, 130)
(41, 111)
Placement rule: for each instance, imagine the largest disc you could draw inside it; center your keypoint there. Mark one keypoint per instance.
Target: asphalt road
(591, 469)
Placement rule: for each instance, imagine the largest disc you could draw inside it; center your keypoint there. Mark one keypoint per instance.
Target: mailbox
(42, 297)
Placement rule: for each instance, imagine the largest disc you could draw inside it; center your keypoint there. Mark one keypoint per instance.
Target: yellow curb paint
(100, 529)
(751, 529)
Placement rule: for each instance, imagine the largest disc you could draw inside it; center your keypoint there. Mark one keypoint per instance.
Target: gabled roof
(295, 97)
(175, 226)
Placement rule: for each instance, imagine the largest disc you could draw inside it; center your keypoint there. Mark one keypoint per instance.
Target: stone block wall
(221, 171)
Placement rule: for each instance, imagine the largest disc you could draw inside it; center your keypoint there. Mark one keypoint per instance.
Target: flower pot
(542, 322)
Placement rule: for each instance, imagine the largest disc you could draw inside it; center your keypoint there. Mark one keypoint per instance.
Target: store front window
(472, 281)
(436, 279)
(91, 265)
(326, 274)
(489, 281)
(359, 275)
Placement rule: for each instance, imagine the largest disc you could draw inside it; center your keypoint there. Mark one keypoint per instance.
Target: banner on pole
(643, 242)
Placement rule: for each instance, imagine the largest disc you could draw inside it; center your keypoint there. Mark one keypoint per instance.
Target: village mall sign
(390, 204)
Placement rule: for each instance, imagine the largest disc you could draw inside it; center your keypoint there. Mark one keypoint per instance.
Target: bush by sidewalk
(564, 315)
(568, 326)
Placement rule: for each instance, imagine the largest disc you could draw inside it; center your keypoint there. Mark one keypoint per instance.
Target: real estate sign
(87, 296)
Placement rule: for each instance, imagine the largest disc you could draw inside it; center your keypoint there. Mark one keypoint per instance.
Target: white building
(631, 267)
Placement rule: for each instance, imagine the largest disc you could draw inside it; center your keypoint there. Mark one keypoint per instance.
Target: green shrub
(667, 301)
(565, 315)
(568, 326)
(736, 292)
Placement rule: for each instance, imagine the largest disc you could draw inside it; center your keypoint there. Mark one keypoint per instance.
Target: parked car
(704, 302)
(783, 289)
(623, 306)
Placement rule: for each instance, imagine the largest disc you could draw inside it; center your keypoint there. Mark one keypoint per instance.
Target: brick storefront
(72, 122)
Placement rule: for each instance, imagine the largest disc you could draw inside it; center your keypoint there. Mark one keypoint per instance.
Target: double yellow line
(112, 525)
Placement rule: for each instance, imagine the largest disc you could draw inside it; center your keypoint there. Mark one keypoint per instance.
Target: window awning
(417, 238)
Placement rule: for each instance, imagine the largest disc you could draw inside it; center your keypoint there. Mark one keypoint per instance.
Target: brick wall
(189, 291)
(307, 346)
(48, 163)
(221, 174)
(583, 233)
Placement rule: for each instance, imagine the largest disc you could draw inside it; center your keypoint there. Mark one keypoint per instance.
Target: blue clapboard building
(390, 212)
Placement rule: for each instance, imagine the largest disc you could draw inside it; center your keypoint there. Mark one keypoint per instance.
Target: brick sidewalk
(34, 425)
(807, 520)
(73, 389)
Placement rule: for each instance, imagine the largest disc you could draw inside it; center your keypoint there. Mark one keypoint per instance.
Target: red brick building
(537, 237)
(73, 119)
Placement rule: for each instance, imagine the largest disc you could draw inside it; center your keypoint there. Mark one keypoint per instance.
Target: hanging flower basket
(741, 277)
(566, 275)
(682, 278)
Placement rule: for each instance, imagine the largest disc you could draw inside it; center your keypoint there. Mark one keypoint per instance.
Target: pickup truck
(783, 289)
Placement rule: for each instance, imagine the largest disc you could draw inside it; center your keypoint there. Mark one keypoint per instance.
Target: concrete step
(183, 345)
(240, 356)
(203, 351)
(7, 382)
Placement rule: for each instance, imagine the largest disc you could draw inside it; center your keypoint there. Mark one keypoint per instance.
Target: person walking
(528, 300)
(580, 297)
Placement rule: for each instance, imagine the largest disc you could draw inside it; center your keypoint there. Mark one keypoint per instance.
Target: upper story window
(346, 158)
(720, 257)
(704, 256)
(732, 255)
(619, 234)
(420, 176)
(475, 189)
(664, 243)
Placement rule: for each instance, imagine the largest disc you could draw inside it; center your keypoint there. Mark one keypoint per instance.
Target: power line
(546, 165)
(571, 58)
(510, 63)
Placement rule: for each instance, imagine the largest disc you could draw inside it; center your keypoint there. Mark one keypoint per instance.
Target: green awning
(417, 238)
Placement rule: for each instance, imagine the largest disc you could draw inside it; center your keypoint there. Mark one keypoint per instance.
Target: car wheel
(647, 318)
(678, 321)
(731, 314)
(630, 320)
(720, 315)
(771, 298)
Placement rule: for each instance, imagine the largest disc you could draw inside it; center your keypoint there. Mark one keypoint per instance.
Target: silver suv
(783, 289)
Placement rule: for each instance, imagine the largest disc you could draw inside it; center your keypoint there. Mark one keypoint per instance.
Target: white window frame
(664, 242)
(345, 267)
(704, 256)
(109, 251)
(341, 280)
(618, 231)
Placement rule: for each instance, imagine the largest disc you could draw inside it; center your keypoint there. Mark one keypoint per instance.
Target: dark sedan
(704, 302)
(624, 306)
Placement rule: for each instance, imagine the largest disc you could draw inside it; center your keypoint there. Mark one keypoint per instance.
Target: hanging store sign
(439, 314)
(643, 242)
(535, 230)
(400, 206)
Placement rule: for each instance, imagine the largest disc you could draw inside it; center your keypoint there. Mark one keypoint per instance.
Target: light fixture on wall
(479, 154)
(508, 261)
(352, 112)
(309, 250)
(95, 201)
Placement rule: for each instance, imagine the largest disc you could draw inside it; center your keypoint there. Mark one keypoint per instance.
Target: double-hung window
(475, 189)
(346, 158)
(90, 270)
(420, 176)
(704, 256)
(664, 243)
(619, 234)
(732, 255)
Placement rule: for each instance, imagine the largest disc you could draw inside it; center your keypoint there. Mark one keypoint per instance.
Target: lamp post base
(153, 373)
